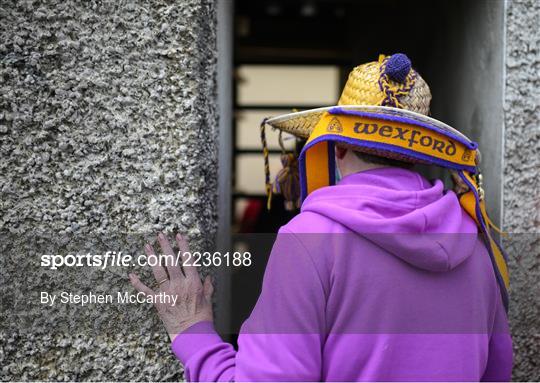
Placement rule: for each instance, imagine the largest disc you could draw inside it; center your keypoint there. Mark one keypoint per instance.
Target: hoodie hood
(402, 212)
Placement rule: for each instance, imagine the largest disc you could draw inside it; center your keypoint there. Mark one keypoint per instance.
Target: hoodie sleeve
(499, 364)
(281, 340)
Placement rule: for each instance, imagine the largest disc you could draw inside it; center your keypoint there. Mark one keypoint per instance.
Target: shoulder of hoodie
(308, 229)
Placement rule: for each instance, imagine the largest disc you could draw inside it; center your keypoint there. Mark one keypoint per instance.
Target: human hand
(193, 303)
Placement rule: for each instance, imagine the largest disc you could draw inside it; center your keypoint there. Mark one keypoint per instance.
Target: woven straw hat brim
(301, 124)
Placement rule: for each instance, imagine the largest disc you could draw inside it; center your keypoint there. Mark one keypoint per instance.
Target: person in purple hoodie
(383, 275)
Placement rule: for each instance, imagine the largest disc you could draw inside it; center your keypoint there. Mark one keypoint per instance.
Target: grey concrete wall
(225, 17)
(108, 124)
(522, 181)
(467, 72)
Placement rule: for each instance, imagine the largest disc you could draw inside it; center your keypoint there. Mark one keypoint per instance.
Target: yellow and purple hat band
(437, 127)
(475, 207)
(387, 135)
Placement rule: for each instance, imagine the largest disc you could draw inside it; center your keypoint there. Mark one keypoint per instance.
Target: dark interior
(345, 33)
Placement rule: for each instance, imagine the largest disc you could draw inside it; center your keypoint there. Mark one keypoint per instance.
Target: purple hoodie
(382, 277)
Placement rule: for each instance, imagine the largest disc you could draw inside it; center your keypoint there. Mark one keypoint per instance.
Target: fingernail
(161, 236)
(147, 247)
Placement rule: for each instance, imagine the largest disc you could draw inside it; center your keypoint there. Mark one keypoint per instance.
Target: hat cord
(287, 182)
(268, 184)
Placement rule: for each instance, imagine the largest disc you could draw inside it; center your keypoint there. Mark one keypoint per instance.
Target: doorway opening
(296, 54)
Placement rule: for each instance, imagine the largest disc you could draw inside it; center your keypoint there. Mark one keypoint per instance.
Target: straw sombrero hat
(387, 87)
(383, 111)
(383, 86)
(385, 90)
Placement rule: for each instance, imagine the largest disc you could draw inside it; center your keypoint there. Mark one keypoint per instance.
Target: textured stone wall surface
(108, 126)
(522, 181)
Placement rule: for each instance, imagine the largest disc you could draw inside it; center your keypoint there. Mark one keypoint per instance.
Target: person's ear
(340, 152)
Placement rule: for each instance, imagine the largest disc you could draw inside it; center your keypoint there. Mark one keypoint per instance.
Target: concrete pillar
(108, 125)
(467, 81)
(521, 195)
